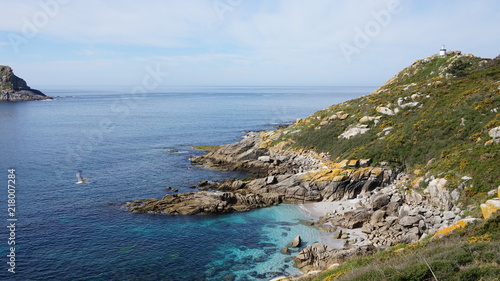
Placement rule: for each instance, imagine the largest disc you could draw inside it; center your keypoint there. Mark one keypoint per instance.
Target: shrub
(415, 272)
(459, 68)
(444, 270)
(479, 273)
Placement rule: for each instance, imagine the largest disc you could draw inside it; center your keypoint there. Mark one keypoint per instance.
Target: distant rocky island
(13, 88)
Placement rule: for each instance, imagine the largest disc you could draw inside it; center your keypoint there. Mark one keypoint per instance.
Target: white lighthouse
(442, 52)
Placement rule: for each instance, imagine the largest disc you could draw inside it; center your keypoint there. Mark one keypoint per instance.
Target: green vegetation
(443, 110)
(472, 253)
(432, 119)
(206, 147)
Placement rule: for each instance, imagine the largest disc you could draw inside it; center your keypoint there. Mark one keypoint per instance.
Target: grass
(472, 253)
(207, 148)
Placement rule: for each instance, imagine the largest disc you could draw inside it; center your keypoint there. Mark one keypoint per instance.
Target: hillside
(13, 88)
(436, 121)
(440, 117)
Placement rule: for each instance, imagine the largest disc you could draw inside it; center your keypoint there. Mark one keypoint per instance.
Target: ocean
(133, 147)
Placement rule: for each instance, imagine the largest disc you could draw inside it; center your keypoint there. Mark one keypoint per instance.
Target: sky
(236, 42)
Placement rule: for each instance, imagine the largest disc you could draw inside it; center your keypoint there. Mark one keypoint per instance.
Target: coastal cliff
(415, 157)
(13, 88)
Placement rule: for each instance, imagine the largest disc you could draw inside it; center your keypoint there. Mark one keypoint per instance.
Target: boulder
(271, 180)
(379, 201)
(367, 228)
(384, 110)
(325, 227)
(409, 220)
(349, 133)
(353, 163)
(352, 219)
(337, 234)
(460, 224)
(365, 162)
(377, 216)
(439, 195)
(494, 191)
(367, 118)
(392, 209)
(314, 256)
(494, 133)
(455, 195)
(264, 159)
(489, 207)
(295, 242)
(285, 251)
(449, 215)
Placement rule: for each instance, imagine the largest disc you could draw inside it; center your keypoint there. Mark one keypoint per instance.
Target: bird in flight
(81, 180)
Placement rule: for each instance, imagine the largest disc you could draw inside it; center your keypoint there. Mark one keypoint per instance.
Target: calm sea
(133, 147)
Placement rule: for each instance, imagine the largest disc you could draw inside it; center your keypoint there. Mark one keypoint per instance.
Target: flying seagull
(81, 180)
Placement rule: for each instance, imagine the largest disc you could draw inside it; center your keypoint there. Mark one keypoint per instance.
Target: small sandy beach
(320, 209)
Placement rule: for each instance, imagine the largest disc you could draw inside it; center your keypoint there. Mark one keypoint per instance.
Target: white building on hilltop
(442, 52)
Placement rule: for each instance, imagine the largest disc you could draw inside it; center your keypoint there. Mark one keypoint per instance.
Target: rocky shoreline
(282, 176)
(13, 88)
(382, 211)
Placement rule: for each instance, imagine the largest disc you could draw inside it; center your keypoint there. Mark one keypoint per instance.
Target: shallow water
(133, 148)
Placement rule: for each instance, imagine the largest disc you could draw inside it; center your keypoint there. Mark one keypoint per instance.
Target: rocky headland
(414, 159)
(13, 88)
(282, 176)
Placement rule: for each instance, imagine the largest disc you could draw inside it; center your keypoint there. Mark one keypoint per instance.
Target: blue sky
(236, 42)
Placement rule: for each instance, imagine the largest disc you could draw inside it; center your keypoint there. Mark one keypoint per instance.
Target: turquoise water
(133, 148)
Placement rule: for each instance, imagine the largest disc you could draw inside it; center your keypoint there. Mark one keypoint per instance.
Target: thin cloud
(251, 42)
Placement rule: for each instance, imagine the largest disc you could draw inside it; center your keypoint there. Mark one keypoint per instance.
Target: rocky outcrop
(389, 217)
(296, 242)
(320, 257)
(13, 88)
(283, 177)
(251, 154)
(489, 207)
(386, 216)
(203, 202)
